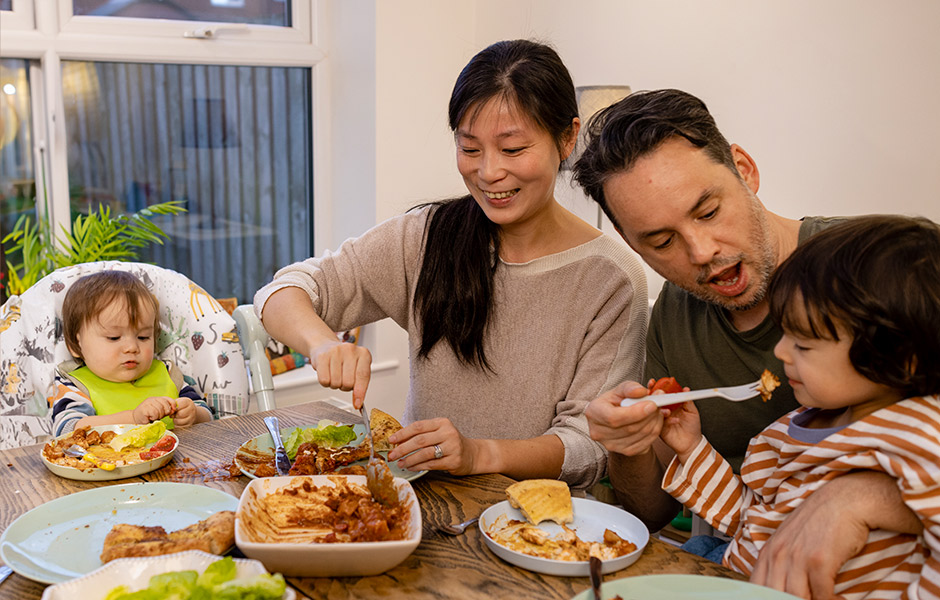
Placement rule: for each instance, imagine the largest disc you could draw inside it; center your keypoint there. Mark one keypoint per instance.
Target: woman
(518, 313)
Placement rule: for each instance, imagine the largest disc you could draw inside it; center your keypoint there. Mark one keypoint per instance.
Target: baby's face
(113, 348)
(822, 375)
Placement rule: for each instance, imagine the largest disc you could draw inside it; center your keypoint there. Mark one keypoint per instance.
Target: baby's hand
(682, 429)
(153, 409)
(185, 412)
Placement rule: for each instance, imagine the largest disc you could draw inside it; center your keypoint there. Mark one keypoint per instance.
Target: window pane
(232, 143)
(6, 4)
(258, 12)
(17, 174)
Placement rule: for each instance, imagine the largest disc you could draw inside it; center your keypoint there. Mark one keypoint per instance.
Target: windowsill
(306, 376)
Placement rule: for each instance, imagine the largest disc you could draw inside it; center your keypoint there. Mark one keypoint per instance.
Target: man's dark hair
(626, 131)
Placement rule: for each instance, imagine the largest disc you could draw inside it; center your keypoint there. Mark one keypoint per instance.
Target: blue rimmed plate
(683, 587)
(63, 538)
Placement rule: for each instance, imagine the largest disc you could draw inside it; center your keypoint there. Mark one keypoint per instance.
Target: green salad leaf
(139, 436)
(329, 434)
(219, 581)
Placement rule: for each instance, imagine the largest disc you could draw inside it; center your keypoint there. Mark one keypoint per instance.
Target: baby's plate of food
(543, 529)
(189, 574)
(110, 452)
(329, 447)
(683, 587)
(76, 534)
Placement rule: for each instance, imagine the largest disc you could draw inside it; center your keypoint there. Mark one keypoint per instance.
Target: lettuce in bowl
(218, 582)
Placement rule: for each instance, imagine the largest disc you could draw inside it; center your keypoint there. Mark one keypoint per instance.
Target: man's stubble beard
(764, 265)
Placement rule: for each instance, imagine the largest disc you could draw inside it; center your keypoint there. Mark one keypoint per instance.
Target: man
(686, 201)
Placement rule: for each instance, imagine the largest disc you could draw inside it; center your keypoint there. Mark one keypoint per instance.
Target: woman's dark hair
(91, 294)
(878, 279)
(632, 128)
(454, 293)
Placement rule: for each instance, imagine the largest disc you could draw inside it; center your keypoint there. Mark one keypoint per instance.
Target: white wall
(836, 100)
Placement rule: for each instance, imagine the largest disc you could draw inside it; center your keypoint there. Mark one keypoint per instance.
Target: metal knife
(281, 462)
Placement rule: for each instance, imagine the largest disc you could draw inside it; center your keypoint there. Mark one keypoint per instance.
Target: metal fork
(457, 528)
(738, 393)
(379, 478)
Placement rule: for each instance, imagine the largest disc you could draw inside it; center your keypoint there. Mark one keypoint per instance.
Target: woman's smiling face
(508, 163)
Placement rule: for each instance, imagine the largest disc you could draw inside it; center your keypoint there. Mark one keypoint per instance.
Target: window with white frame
(128, 103)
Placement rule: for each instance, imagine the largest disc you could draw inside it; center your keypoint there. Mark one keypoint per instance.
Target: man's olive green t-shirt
(695, 342)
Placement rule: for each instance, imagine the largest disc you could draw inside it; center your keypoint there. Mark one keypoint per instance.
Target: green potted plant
(100, 235)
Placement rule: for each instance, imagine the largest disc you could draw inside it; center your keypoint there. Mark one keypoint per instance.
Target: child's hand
(153, 409)
(682, 429)
(185, 412)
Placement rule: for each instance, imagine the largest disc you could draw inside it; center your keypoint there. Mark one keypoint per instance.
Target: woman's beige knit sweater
(565, 328)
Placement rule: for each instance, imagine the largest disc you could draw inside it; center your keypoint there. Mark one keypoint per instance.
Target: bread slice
(383, 425)
(215, 534)
(542, 500)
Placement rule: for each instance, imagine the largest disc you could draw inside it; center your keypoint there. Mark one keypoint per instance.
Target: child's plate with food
(109, 452)
(608, 531)
(324, 448)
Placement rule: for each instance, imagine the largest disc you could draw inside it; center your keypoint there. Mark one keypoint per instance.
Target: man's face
(697, 224)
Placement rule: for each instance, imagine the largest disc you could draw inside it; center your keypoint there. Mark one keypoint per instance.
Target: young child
(859, 304)
(110, 322)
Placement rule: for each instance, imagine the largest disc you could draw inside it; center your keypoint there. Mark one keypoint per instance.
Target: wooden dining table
(443, 566)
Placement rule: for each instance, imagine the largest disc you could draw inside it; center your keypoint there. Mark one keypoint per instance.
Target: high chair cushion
(196, 334)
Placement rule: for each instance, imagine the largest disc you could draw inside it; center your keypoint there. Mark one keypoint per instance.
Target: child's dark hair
(878, 279)
(91, 294)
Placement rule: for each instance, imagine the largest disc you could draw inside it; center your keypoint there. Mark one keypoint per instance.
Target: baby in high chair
(111, 321)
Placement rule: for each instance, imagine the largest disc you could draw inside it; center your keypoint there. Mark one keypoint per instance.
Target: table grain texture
(442, 566)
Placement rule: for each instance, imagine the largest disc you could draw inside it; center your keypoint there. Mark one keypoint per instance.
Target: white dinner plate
(591, 518)
(683, 587)
(263, 444)
(63, 538)
(96, 474)
(136, 572)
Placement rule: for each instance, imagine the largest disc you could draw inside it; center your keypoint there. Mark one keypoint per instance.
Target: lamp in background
(591, 100)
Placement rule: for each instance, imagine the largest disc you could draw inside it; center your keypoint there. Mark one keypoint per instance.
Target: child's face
(113, 348)
(822, 376)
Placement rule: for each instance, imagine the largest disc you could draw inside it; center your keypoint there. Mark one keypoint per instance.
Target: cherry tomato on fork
(668, 385)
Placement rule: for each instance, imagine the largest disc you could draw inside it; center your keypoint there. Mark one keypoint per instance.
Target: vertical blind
(232, 143)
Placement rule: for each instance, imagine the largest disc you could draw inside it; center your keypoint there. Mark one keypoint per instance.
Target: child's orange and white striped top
(780, 472)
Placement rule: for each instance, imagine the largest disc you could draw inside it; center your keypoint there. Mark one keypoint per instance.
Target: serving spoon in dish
(379, 478)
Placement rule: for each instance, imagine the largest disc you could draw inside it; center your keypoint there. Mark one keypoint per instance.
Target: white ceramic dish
(684, 587)
(135, 573)
(96, 474)
(329, 559)
(62, 539)
(591, 518)
(263, 444)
